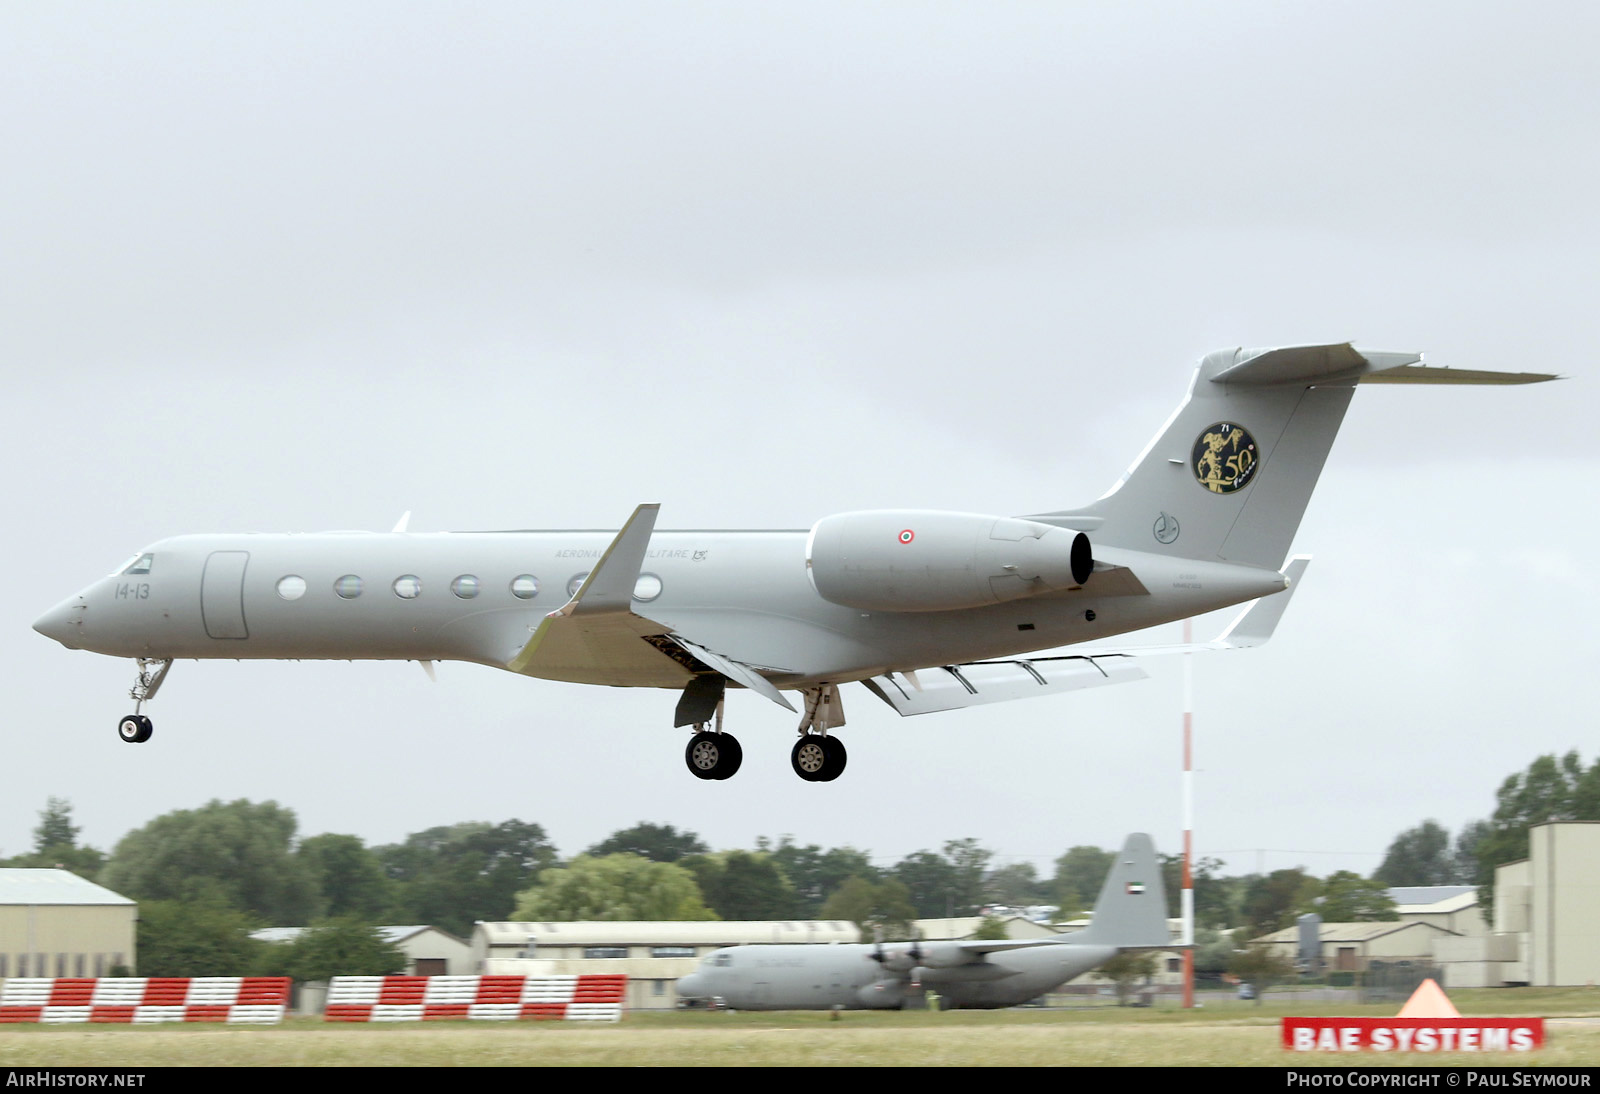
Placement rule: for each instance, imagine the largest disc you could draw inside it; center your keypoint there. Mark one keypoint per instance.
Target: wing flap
(982, 682)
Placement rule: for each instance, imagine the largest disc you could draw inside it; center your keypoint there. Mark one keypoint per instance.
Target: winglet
(609, 586)
(608, 590)
(1257, 622)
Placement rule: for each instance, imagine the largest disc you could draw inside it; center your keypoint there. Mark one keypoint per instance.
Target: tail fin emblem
(1224, 458)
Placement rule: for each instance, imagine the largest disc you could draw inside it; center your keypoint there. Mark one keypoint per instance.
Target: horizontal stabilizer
(1422, 374)
(1343, 363)
(1256, 623)
(982, 682)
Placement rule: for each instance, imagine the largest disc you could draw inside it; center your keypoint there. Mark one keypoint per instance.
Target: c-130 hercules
(929, 610)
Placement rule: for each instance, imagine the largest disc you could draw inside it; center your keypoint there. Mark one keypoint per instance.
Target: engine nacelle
(909, 560)
(906, 956)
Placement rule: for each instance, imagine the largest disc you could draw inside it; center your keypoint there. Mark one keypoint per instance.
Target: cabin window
(465, 586)
(348, 587)
(647, 588)
(140, 565)
(408, 586)
(574, 583)
(524, 586)
(292, 587)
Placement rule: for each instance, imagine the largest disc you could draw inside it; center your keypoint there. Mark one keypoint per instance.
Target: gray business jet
(928, 610)
(1130, 914)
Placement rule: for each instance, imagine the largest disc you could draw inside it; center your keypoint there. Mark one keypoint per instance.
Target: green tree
(1419, 856)
(970, 866)
(349, 879)
(1550, 790)
(1015, 885)
(1079, 874)
(991, 928)
(241, 851)
(1272, 902)
(880, 909)
(342, 947)
(455, 875)
(1347, 897)
(615, 888)
(1213, 949)
(931, 882)
(1261, 966)
(743, 885)
(656, 842)
(198, 936)
(55, 845)
(55, 826)
(1127, 969)
(816, 874)
(1214, 895)
(1468, 867)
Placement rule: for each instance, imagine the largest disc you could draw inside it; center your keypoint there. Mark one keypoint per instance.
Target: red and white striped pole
(1187, 906)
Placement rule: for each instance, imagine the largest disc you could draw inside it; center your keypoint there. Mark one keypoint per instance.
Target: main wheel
(833, 765)
(135, 729)
(713, 756)
(809, 758)
(732, 756)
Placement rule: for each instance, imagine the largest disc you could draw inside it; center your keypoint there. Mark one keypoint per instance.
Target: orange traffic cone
(1428, 1001)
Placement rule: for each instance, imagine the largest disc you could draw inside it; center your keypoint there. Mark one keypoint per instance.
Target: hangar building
(55, 923)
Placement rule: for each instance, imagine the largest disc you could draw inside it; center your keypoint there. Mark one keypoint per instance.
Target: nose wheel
(818, 759)
(135, 729)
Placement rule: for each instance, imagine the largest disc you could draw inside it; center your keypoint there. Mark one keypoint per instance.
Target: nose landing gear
(136, 728)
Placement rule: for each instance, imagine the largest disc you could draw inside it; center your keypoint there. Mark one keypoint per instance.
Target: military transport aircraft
(1130, 914)
(929, 610)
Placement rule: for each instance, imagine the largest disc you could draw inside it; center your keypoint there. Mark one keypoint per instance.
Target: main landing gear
(817, 757)
(136, 728)
(712, 754)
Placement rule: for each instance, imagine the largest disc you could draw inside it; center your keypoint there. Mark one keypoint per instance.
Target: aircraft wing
(977, 683)
(598, 637)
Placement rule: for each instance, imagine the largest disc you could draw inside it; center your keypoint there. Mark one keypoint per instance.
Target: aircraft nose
(64, 622)
(691, 986)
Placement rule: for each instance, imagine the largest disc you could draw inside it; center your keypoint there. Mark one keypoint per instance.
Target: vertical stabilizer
(1228, 477)
(1132, 909)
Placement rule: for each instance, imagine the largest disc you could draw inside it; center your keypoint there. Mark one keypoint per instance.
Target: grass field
(1219, 1035)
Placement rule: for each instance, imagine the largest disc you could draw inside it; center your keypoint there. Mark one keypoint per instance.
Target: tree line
(227, 867)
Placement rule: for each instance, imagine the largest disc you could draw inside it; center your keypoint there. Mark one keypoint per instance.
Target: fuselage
(479, 597)
(847, 976)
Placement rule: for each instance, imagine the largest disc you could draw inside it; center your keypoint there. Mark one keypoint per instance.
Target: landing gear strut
(136, 728)
(818, 757)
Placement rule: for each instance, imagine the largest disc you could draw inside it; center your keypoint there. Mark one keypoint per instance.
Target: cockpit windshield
(139, 564)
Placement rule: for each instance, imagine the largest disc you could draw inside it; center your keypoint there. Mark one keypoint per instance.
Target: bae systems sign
(1413, 1034)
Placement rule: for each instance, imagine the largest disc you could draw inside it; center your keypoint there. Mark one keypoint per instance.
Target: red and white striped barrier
(480, 998)
(145, 999)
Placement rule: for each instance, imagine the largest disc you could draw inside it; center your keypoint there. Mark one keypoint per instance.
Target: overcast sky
(292, 267)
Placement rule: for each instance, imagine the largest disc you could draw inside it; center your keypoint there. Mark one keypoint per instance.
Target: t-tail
(1228, 477)
(1132, 910)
